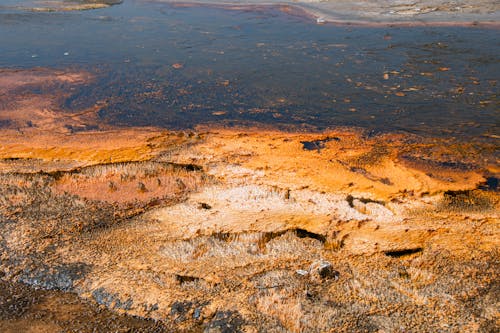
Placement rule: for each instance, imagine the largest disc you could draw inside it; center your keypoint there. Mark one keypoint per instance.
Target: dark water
(264, 67)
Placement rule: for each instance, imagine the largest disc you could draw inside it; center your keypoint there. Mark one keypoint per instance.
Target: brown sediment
(23, 108)
(350, 163)
(69, 8)
(249, 229)
(289, 9)
(65, 6)
(86, 148)
(360, 23)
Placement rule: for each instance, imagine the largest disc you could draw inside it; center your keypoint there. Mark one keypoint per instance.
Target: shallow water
(264, 67)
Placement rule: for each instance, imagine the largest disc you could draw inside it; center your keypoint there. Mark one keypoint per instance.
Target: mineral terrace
(252, 230)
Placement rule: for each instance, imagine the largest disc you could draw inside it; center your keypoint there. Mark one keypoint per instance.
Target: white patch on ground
(260, 208)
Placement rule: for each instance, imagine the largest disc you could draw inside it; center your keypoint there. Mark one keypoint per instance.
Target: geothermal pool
(244, 169)
(180, 66)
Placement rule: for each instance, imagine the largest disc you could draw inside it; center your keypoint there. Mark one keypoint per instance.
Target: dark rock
(185, 278)
(317, 144)
(22, 305)
(203, 205)
(141, 187)
(150, 307)
(56, 278)
(225, 322)
(111, 300)
(180, 309)
(403, 252)
(323, 270)
(491, 184)
(302, 233)
(197, 313)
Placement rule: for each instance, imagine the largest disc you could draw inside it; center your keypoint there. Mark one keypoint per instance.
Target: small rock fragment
(219, 113)
(197, 313)
(141, 187)
(180, 184)
(112, 187)
(323, 270)
(302, 272)
(203, 205)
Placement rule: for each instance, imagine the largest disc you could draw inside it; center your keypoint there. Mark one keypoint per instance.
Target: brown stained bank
(62, 5)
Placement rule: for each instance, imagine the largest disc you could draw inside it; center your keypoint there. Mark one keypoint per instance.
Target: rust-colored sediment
(210, 226)
(23, 108)
(383, 167)
(64, 5)
(86, 147)
(34, 126)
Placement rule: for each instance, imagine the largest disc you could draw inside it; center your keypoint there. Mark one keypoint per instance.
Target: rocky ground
(228, 230)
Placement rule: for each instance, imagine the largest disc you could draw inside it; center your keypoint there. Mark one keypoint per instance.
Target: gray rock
(225, 322)
(59, 277)
(322, 270)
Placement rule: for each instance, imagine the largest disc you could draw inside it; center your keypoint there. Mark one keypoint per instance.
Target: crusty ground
(227, 251)
(226, 228)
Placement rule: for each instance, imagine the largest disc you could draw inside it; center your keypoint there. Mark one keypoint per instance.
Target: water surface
(178, 67)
